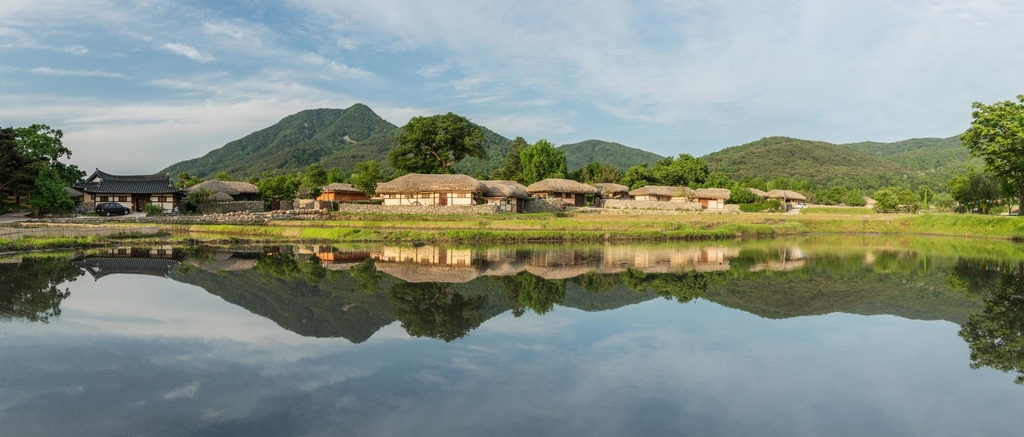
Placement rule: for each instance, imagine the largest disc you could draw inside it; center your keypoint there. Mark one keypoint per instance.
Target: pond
(820, 335)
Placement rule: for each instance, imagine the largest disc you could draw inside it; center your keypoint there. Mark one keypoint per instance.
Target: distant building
(228, 191)
(338, 192)
(712, 198)
(134, 192)
(432, 190)
(758, 193)
(790, 199)
(510, 196)
(613, 191)
(659, 193)
(568, 191)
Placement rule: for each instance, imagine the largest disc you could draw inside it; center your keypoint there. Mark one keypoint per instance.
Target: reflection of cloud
(529, 324)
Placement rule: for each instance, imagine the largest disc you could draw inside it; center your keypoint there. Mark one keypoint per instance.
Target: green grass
(838, 210)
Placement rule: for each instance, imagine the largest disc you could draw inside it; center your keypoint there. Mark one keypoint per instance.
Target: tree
(925, 192)
(434, 144)
(222, 176)
(512, 165)
(908, 200)
(717, 179)
(279, 187)
(598, 172)
(30, 288)
(637, 176)
(974, 191)
(541, 161)
(996, 335)
(435, 310)
(335, 175)
(997, 136)
(25, 151)
(682, 171)
(49, 195)
(887, 200)
(314, 180)
(199, 200)
(741, 195)
(366, 176)
(855, 198)
(185, 180)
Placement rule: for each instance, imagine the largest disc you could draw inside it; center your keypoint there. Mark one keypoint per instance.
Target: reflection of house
(788, 198)
(431, 189)
(227, 262)
(712, 199)
(613, 191)
(228, 191)
(337, 259)
(427, 264)
(133, 192)
(568, 191)
(509, 195)
(661, 193)
(667, 260)
(790, 259)
(158, 261)
(338, 192)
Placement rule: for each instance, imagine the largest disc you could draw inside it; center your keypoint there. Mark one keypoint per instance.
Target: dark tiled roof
(99, 267)
(101, 182)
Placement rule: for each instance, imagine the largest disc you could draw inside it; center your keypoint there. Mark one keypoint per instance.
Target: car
(111, 208)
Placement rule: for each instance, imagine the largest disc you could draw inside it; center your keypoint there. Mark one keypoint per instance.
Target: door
(140, 203)
(443, 200)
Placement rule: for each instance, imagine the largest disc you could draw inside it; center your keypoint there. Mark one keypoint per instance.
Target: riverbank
(548, 228)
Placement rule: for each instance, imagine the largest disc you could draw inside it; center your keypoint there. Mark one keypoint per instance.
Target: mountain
(819, 162)
(577, 155)
(934, 159)
(311, 136)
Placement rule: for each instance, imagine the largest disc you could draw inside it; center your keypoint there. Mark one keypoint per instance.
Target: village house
(659, 193)
(228, 191)
(339, 192)
(568, 191)
(791, 199)
(712, 199)
(758, 193)
(134, 192)
(510, 196)
(431, 190)
(613, 191)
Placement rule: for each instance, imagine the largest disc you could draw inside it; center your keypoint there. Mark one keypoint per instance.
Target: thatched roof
(758, 193)
(72, 193)
(221, 196)
(561, 186)
(231, 188)
(869, 201)
(431, 183)
(505, 189)
(612, 189)
(785, 194)
(712, 193)
(413, 272)
(339, 187)
(659, 190)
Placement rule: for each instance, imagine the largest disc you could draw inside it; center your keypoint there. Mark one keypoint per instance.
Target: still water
(812, 336)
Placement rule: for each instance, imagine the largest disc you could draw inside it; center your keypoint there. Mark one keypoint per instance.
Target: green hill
(934, 160)
(582, 153)
(821, 163)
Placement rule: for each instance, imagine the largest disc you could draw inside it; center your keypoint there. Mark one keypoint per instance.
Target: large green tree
(279, 187)
(997, 136)
(25, 151)
(512, 165)
(366, 176)
(597, 172)
(49, 195)
(434, 144)
(682, 171)
(540, 161)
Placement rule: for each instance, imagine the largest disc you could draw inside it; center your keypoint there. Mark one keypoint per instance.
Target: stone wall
(226, 207)
(652, 205)
(354, 208)
(543, 205)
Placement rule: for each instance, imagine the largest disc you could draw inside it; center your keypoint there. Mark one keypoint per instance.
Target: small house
(339, 192)
(570, 192)
(791, 199)
(134, 191)
(431, 190)
(510, 196)
(228, 191)
(659, 193)
(712, 199)
(613, 191)
(758, 193)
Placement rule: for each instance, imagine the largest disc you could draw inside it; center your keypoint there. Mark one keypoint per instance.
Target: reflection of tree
(285, 266)
(996, 336)
(434, 310)
(528, 291)
(366, 276)
(29, 290)
(684, 287)
(597, 282)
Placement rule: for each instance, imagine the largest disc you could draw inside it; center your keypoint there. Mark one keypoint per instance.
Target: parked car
(111, 208)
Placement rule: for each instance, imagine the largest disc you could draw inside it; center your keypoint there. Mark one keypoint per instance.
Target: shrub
(154, 209)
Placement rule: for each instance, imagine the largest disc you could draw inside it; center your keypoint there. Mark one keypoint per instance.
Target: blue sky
(138, 85)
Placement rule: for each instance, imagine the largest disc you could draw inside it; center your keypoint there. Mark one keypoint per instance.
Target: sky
(138, 85)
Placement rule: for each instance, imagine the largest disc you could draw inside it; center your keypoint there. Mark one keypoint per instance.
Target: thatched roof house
(758, 193)
(568, 191)
(431, 189)
(612, 191)
(787, 197)
(235, 190)
(712, 198)
(662, 193)
(339, 192)
(509, 195)
(73, 193)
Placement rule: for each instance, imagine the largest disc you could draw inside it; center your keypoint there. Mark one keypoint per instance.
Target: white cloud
(527, 125)
(76, 49)
(188, 52)
(188, 391)
(334, 68)
(78, 73)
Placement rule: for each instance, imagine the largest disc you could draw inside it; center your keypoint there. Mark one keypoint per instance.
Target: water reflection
(446, 292)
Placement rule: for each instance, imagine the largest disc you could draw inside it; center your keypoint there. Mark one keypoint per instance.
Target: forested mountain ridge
(935, 160)
(578, 155)
(819, 162)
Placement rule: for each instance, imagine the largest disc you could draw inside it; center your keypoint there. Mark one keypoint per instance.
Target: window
(162, 198)
(122, 198)
(104, 198)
